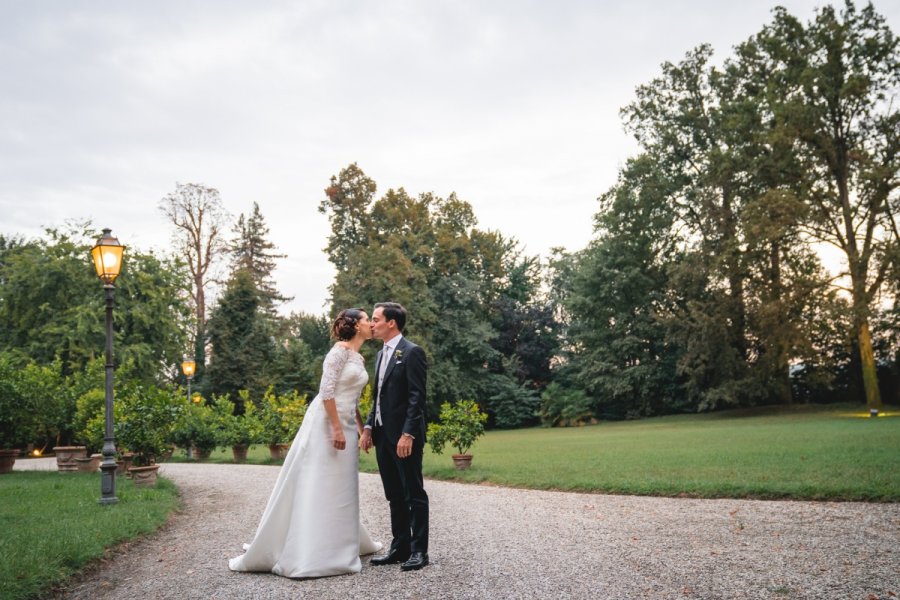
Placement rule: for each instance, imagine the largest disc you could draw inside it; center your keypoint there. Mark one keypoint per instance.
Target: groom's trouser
(404, 490)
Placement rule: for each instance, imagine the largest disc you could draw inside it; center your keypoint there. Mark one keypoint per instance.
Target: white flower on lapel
(398, 356)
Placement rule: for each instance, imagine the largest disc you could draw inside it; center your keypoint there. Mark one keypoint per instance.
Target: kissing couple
(311, 525)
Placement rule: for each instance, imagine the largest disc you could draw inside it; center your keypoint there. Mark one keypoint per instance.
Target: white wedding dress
(311, 525)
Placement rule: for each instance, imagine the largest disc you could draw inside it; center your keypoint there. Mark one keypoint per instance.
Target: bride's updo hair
(344, 326)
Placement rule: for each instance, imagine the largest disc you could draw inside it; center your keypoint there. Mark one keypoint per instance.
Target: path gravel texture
(493, 542)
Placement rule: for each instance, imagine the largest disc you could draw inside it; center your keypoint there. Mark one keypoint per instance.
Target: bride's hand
(337, 439)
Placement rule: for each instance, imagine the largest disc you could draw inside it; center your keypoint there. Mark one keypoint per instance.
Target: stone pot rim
(143, 468)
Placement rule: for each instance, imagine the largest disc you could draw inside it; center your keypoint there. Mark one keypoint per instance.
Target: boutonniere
(398, 356)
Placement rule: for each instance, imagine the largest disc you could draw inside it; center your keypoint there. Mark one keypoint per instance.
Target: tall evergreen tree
(252, 251)
(618, 298)
(241, 341)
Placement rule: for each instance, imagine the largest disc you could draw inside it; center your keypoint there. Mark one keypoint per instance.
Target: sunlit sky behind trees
(512, 105)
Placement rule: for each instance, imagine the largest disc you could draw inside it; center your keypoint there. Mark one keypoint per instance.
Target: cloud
(512, 105)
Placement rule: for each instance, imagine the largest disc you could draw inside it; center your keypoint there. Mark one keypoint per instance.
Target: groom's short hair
(393, 312)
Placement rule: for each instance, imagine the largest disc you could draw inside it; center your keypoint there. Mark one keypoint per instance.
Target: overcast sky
(513, 105)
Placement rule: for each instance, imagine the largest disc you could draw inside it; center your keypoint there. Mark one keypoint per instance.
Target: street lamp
(107, 255)
(188, 366)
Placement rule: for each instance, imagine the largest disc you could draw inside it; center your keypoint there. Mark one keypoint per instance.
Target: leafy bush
(365, 402)
(461, 424)
(197, 426)
(33, 402)
(510, 404)
(90, 419)
(145, 417)
(565, 407)
(281, 416)
(237, 430)
(17, 424)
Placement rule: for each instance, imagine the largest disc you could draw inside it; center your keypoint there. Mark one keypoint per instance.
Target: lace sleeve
(331, 371)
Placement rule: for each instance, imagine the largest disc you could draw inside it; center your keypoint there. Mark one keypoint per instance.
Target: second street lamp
(188, 366)
(107, 255)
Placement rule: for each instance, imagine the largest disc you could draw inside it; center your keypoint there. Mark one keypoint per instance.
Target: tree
(252, 251)
(739, 193)
(312, 330)
(618, 299)
(51, 305)
(199, 218)
(427, 253)
(241, 341)
(832, 90)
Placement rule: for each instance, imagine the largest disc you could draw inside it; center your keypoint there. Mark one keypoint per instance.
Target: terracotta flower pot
(66, 455)
(240, 452)
(7, 459)
(127, 458)
(462, 461)
(88, 464)
(144, 475)
(202, 453)
(279, 450)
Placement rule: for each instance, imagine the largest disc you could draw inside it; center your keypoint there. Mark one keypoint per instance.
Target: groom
(396, 427)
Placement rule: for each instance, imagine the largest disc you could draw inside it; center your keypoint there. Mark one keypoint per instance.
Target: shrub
(90, 419)
(561, 406)
(197, 426)
(30, 402)
(145, 417)
(365, 402)
(460, 425)
(510, 404)
(280, 416)
(237, 430)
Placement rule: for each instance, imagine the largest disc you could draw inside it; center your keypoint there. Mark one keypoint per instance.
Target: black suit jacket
(402, 394)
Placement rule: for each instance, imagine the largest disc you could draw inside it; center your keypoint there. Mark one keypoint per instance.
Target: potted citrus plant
(17, 420)
(238, 432)
(144, 420)
(460, 425)
(196, 428)
(281, 417)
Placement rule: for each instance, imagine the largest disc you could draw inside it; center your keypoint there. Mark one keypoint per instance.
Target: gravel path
(492, 542)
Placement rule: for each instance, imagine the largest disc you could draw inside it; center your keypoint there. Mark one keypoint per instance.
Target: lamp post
(188, 366)
(107, 256)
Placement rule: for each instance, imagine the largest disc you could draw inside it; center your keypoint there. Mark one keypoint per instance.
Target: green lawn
(790, 452)
(51, 525)
(805, 452)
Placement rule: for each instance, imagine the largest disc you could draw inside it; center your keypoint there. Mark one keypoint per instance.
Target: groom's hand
(404, 446)
(365, 440)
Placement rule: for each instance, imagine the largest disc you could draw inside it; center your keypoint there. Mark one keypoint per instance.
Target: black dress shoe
(416, 561)
(391, 558)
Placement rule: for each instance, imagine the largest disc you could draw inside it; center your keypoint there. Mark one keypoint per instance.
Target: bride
(311, 526)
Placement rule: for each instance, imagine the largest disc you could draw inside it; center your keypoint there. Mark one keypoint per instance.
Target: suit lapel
(393, 361)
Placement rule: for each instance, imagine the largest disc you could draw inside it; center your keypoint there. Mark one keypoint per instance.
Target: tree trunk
(858, 268)
(783, 381)
(867, 364)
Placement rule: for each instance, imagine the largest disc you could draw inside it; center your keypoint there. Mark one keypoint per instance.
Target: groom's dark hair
(393, 312)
